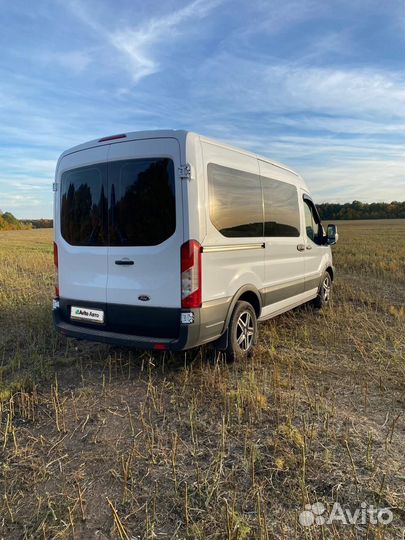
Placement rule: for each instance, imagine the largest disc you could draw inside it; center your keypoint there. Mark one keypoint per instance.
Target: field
(101, 442)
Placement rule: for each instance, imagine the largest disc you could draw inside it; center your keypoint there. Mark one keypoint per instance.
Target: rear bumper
(188, 335)
(144, 327)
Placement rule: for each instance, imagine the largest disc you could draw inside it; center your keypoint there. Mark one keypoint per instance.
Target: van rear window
(83, 206)
(142, 201)
(122, 203)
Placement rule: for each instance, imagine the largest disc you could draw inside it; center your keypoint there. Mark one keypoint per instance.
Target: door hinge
(185, 171)
(55, 186)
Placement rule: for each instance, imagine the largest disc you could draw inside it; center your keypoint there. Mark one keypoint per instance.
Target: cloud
(21, 202)
(279, 15)
(366, 180)
(137, 44)
(255, 86)
(341, 125)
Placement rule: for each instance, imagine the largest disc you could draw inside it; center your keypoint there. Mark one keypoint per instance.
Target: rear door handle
(309, 246)
(301, 247)
(124, 262)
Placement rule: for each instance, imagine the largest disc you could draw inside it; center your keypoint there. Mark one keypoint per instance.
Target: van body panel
(272, 310)
(213, 316)
(154, 277)
(283, 262)
(226, 271)
(82, 269)
(194, 201)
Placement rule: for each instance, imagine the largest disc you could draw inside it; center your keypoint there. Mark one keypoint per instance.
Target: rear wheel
(324, 292)
(242, 331)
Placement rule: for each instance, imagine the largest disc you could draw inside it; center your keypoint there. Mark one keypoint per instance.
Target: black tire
(324, 292)
(242, 331)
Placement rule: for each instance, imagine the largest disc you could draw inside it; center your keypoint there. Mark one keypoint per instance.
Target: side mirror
(332, 234)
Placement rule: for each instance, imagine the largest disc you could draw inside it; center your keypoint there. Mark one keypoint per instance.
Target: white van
(168, 240)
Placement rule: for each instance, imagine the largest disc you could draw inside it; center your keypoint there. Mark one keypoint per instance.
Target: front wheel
(324, 292)
(242, 331)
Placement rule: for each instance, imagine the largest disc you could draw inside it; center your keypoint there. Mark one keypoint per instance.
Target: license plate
(87, 314)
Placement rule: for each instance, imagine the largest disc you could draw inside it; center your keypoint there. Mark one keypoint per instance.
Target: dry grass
(99, 442)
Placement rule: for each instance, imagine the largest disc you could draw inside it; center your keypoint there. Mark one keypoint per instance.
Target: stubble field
(101, 442)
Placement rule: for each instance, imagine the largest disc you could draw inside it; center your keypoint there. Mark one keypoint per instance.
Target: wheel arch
(331, 271)
(248, 293)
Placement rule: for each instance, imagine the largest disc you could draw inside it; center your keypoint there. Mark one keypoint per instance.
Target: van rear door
(145, 223)
(81, 225)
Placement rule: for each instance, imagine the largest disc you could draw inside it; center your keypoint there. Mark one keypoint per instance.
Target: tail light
(191, 274)
(55, 262)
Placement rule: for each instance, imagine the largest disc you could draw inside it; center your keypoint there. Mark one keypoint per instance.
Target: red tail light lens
(56, 263)
(191, 274)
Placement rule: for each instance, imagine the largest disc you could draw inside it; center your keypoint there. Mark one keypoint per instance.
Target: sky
(315, 84)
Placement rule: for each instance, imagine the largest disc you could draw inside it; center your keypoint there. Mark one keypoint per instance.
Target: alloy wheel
(245, 331)
(326, 286)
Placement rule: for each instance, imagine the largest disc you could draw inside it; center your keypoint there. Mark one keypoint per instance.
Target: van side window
(281, 210)
(83, 205)
(313, 226)
(235, 202)
(142, 201)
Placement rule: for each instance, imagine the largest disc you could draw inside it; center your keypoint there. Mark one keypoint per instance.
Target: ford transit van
(168, 240)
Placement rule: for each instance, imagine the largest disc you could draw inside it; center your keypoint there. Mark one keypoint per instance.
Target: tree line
(327, 211)
(38, 223)
(8, 222)
(359, 210)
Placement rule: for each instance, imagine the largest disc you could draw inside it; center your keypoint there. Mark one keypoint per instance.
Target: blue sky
(315, 84)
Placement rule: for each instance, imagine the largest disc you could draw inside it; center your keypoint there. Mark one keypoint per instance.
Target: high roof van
(169, 240)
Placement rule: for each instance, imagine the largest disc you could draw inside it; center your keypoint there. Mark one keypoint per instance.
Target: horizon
(317, 86)
(22, 219)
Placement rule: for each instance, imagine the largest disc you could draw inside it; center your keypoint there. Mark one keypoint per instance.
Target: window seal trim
(308, 198)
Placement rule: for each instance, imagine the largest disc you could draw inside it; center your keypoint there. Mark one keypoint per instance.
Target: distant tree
(38, 223)
(8, 222)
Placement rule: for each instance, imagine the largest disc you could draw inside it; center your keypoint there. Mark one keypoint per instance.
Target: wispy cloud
(136, 43)
(353, 179)
(297, 87)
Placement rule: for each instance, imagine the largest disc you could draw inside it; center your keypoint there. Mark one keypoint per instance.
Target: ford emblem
(144, 298)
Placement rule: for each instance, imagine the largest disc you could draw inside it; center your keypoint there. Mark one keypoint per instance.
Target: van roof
(181, 135)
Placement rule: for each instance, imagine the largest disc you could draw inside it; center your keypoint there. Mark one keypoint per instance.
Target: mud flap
(221, 344)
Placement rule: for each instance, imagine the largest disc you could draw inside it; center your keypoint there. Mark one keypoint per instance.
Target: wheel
(242, 331)
(324, 292)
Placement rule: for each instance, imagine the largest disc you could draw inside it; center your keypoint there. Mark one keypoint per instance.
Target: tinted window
(313, 226)
(309, 222)
(142, 201)
(83, 206)
(281, 210)
(235, 202)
